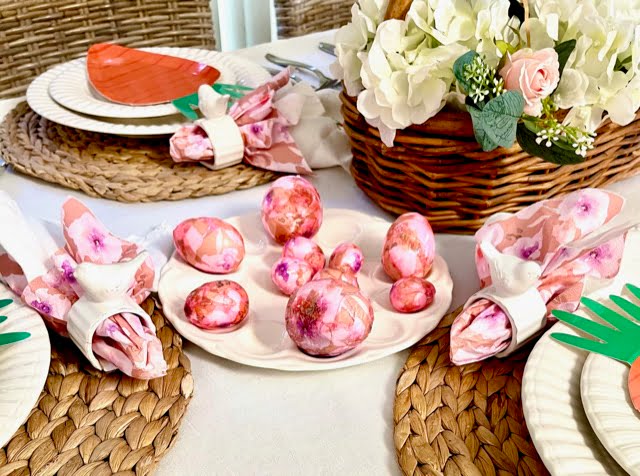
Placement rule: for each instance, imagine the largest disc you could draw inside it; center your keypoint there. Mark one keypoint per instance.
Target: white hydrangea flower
(586, 118)
(474, 24)
(623, 105)
(572, 89)
(354, 38)
(399, 92)
(607, 33)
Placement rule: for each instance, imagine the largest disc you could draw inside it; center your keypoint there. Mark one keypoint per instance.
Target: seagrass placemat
(113, 167)
(466, 420)
(93, 423)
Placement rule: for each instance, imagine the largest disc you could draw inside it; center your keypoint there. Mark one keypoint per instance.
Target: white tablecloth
(250, 421)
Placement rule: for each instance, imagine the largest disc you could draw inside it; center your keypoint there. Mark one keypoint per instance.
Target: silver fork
(324, 80)
(327, 48)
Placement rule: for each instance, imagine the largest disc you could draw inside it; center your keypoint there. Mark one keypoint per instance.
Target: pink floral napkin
(267, 118)
(122, 341)
(542, 233)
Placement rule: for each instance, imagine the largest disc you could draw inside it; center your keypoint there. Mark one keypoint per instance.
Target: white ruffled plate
(553, 411)
(23, 365)
(247, 73)
(610, 411)
(71, 87)
(263, 341)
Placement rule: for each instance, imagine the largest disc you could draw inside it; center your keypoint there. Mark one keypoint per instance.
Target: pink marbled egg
(305, 249)
(412, 294)
(209, 244)
(344, 276)
(346, 257)
(217, 305)
(288, 274)
(409, 247)
(291, 207)
(327, 317)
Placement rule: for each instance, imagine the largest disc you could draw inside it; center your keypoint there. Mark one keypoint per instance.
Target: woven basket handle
(397, 9)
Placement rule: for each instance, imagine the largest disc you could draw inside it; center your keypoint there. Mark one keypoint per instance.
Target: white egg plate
(262, 340)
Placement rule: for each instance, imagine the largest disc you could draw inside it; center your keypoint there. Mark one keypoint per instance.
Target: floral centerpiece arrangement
(545, 73)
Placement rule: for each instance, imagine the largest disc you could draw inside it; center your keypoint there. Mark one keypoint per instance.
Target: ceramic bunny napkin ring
(89, 290)
(278, 126)
(542, 258)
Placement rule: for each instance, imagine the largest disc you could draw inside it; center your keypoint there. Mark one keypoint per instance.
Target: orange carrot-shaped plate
(138, 78)
(620, 342)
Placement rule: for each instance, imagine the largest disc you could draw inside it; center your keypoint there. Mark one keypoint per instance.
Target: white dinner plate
(610, 411)
(262, 341)
(71, 87)
(23, 365)
(247, 73)
(554, 414)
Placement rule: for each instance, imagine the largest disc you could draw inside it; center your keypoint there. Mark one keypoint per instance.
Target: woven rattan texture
(113, 167)
(439, 169)
(300, 17)
(35, 35)
(92, 423)
(464, 420)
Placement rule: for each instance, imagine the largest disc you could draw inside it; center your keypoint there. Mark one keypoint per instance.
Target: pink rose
(534, 73)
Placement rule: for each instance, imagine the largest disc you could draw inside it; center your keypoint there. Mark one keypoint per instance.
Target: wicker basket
(439, 169)
(36, 35)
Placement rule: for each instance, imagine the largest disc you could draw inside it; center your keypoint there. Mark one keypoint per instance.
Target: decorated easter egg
(409, 247)
(305, 249)
(411, 294)
(217, 305)
(291, 208)
(346, 257)
(344, 276)
(327, 317)
(209, 244)
(288, 274)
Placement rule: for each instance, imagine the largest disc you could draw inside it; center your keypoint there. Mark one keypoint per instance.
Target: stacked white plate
(576, 403)
(63, 95)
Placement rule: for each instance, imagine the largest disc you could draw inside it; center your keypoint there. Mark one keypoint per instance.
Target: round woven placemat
(465, 420)
(113, 167)
(89, 422)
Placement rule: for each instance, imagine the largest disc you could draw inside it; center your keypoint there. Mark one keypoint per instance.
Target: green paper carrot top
(620, 342)
(10, 337)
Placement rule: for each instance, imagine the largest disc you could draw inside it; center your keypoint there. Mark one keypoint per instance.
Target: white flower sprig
(553, 132)
(484, 82)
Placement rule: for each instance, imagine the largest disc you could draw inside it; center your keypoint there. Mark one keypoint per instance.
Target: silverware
(327, 48)
(325, 81)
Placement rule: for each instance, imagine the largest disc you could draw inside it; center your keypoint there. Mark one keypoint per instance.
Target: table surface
(249, 421)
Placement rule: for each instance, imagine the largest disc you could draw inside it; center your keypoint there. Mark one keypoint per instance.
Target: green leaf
(564, 50)
(622, 65)
(5, 302)
(480, 129)
(495, 125)
(505, 47)
(554, 154)
(459, 69)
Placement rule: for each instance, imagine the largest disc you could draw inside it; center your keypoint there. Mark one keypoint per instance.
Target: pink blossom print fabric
(265, 130)
(122, 341)
(542, 233)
